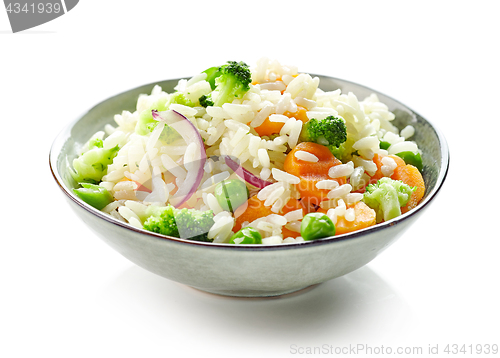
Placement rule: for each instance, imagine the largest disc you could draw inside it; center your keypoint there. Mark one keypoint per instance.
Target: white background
(64, 293)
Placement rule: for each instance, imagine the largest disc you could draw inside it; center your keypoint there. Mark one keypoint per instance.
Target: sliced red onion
(194, 168)
(245, 174)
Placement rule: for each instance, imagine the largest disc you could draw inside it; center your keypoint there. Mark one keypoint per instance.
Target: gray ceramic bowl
(246, 270)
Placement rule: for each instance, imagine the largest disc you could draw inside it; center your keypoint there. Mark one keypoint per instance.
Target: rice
(149, 169)
(341, 170)
(306, 156)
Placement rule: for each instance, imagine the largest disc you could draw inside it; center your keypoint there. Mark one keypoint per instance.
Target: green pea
(230, 194)
(247, 235)
(316, 226)
(94, 195)
(412, 159)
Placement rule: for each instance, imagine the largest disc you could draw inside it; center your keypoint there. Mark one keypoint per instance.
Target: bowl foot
(258, 293)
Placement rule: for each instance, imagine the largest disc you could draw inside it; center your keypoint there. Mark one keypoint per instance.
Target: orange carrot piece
(377, 159)
(292, 205)
(289, 233)
(410, 175)
(252, 210)
(268, 128)
(311, 172)
(299, 167)
(364, 217)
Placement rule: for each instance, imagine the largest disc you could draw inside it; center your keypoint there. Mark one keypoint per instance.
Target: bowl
(246, 270)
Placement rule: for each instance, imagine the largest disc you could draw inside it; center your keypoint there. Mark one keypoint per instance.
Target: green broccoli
(161, 220)
(206, 101)
(92, 165)
(231, 81)
(386, 197)
(330, 131)
(194, 224)
(212, 74)
(183, 223)
(94, 195)
(146, 119)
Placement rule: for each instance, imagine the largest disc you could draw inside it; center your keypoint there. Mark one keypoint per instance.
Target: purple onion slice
(245, 174)
(195, 165)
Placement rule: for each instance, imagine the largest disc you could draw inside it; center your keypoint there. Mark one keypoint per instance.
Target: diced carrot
(252, 210)
(311, 172)
(377, 159)
(364, 217)
(292, 205)
(410, 175)
(299, 167)
(310, 193)
(407, 174)
(268, 128)
(289, 233)
(300, 114)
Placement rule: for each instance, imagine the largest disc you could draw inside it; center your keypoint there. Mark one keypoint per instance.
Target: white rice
(145, 160)
(306, 156)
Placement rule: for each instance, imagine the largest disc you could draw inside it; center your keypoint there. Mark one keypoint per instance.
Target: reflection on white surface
(357, 308)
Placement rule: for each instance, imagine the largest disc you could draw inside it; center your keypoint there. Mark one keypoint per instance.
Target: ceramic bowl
(246, 270)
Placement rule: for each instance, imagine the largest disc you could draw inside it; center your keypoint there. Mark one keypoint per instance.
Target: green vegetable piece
(146, 122)
(233, 82)
(194, 224)
(94, 195)
(316, 226)
(330, 131)
(206, 101)
(92, 165)
(247, 235)
(212, 74)
(161, 220)
(384, 145)
(96, 143)
(386, 197)
(231, 194)
(168, 135)
(184, 223)
(412, 159)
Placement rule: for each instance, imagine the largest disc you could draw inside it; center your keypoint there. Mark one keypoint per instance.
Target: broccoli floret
(161, 220)
(146, 119)
(206, 101)
(96, 143)
(212, 74)
(330, 131)
(92, 165)
(183, 223)
(387, 196)
(194, 224)
(231, 81)
(179, 98)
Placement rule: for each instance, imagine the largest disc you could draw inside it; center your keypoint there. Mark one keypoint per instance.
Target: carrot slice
(364, 217)
(377, 159)
(311, 172)
(252, 210)
(268, 128)
(289, 233)
(292, 205)
(410, 175)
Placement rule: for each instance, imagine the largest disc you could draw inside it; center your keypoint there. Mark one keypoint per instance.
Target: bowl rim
(63, 136)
